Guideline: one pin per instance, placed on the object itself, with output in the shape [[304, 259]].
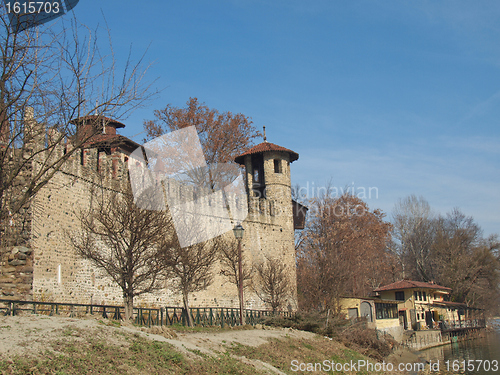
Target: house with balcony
[[417, 302], [426, 305]]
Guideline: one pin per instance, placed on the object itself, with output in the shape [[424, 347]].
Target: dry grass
[[281, 353], [98, 352], [356, 336], [69, 346]]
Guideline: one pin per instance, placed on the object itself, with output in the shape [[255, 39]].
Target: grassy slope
[[82, 352]]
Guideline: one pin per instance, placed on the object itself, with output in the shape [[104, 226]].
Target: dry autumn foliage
[[223, 136], [343, 252]]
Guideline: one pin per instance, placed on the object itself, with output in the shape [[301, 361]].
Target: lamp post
[[238, 233]]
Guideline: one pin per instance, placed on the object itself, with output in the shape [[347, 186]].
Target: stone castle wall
[[59, 274], [42, 264]]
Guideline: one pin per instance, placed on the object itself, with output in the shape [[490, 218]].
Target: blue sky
[[399, 95]]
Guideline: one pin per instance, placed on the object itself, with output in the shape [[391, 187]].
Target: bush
[[304, 322], [365, 340], [355, 335]]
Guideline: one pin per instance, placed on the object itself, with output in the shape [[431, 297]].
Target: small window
[[425, 297], [420, 296], [277, 166], [400, 296], [416, 295]]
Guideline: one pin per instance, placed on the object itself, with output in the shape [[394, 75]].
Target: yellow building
[[420, 304], [381, 315]]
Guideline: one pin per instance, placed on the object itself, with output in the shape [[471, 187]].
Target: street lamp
[[238, 233]]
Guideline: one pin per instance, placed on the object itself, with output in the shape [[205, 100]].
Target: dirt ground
[[29, 335], [32, 335]]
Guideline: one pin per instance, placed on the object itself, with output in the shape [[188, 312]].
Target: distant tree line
[[448, 249], [348, 249]]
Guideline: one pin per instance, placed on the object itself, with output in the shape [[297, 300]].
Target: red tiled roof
[[109, 140], [407, 284], [264, 147], [109, 121]]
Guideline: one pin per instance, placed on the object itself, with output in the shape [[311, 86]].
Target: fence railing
[[462, 324], [423, 341], [201, 316]]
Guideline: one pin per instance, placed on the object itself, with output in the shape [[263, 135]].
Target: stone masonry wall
[[56, 273], [16, 273]]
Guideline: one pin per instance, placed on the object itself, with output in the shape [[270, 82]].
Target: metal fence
[[462, 324], [201, 316], [423, 341]]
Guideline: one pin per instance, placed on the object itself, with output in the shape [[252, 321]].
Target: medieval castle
[[45, 267]]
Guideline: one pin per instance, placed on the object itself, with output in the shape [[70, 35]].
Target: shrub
[[354, 335]]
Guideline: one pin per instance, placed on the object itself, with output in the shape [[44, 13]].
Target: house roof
[[409, 284], [110, 140], [265, 147]]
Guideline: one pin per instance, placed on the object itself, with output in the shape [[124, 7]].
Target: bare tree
[[126, 242], [466, 262], [448, 249], [191, 268], [49, 76], [229, 265], [273, 286], [413, 236]]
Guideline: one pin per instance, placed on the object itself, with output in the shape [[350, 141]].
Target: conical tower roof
[[266, 147]]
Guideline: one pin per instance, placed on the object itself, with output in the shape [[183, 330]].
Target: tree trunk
[[128, 301], [186, 307]]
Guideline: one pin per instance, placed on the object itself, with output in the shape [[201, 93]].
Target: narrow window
[[82, 157], [256, 175], [59, 274], [425, 297], [416, 295], [420, 296], [277, 166]]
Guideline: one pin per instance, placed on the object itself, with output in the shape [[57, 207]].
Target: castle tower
[[270, 220], [92, 125], [267, 168]]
